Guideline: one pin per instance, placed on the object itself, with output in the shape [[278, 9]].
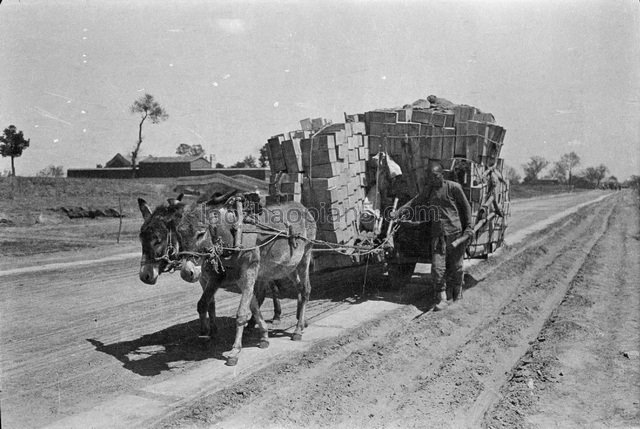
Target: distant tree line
[[250, 161], [51, 171], [563, 171]]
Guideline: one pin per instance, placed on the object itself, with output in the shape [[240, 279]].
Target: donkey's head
[[159, 237]]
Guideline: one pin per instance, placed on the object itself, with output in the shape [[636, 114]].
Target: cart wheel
[[400, 274]]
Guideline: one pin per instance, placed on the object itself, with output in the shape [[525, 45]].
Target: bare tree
[[511, 174], [559, 171], [12, 144], [147, 107], [532, 168], [570, 161], [596, 174], [190, 150]]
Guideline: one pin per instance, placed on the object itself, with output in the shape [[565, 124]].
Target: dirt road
[[75, 338]]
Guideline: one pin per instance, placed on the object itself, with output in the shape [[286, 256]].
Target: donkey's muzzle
[[149, 274], [190, 272]]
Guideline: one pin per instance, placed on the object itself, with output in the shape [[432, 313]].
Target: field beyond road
[[547, 334]]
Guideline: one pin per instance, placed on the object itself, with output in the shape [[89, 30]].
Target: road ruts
[[435, 369], [581, 371], [76, 337]]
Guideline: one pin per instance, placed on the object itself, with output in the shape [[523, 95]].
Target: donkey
[[276, 244]]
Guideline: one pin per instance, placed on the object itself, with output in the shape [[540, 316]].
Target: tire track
[[584, 337], [444, 349], [49, 354]]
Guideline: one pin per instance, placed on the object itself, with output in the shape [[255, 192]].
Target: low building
[[119, 167], [100, 173], [171, 166]]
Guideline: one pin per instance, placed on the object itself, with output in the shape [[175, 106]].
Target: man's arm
[[418, 200], [464, 208]]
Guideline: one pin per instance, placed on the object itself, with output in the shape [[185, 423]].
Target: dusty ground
[[451, 369], [583, 368], [72, 339]]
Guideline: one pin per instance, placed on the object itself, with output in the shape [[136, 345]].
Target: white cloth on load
[[394, 168]]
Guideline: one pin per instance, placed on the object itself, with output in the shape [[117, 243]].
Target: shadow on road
[[164, 350], [167, 349]]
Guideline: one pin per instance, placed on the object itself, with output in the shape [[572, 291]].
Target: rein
[[173, 257], [170, 257]]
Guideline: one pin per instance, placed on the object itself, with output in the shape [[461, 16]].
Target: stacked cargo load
[[415, 135], [331, 168], [323, 165]]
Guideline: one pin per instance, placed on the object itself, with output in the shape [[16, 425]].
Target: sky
[[560, 76]]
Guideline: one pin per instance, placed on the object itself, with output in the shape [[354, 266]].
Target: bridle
[[171, 255], [170, 260]]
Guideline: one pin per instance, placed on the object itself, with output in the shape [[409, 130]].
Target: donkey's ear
[[177, 208], [144, 208], [176, 200]]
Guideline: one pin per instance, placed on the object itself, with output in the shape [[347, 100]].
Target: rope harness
[[172, 258]]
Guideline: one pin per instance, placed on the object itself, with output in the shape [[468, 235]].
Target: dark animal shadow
[[155, 353]]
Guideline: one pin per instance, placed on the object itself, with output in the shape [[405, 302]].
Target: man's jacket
[[448, 209]]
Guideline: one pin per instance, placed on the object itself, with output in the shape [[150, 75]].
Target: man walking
[[451, 219]]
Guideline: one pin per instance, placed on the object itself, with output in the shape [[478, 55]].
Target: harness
[[171, 255], [172, 258], [218, 251]]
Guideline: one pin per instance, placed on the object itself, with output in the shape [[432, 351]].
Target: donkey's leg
[[260, 293], [207, 304], [246, 284], [262, 325], [304, 290], [275, 295], [211, 309]]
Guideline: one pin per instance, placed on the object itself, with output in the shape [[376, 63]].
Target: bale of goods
[[326, 166]]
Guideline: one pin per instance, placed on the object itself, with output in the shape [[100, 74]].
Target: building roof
[[171, 159], [119, 159]]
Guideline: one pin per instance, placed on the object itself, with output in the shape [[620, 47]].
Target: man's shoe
[[442, 303]]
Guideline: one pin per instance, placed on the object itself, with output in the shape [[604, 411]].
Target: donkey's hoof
[[296, 337], [275, 322], [264, 344], [232, 361]]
